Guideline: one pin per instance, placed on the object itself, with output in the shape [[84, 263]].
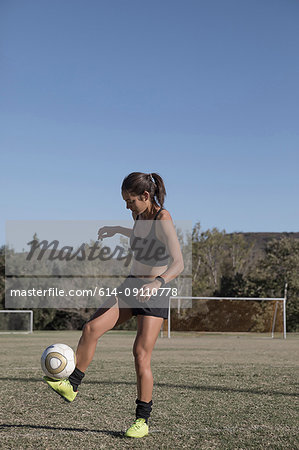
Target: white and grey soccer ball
[[58, 361]]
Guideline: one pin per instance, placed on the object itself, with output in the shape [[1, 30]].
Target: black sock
[[143, 410], [75, 378]]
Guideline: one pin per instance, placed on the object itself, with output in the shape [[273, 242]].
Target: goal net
[[16, 321], [227, 314]]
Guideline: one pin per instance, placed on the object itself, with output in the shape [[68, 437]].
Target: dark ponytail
[[138, 182], [160, 192]]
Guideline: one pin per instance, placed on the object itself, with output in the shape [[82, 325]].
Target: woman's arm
[[105, 232], [125, 231], [167, 234]]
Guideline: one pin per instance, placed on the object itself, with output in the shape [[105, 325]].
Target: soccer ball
[[58, 361]]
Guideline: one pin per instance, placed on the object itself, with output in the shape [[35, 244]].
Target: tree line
[[223, 265], [242, 265]]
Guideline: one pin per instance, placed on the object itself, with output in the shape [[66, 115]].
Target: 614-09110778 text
[[134, 291]]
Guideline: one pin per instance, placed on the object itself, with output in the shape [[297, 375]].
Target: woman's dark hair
[[138, 182]]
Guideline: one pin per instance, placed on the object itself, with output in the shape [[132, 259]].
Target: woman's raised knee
[[88, 329], [91, 331], [95, 328]]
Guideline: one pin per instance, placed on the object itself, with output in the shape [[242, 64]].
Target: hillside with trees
[[241, 265], [223, 265]]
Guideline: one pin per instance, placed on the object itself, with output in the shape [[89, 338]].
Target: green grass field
[[211, 392]]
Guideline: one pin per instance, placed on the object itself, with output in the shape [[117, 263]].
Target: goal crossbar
[[276, 299], [227, 298], [24, 311]]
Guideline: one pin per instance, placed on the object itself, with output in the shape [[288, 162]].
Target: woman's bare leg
[[147, 334], [103, 320]]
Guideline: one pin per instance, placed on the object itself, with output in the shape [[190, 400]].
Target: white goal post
[[276, 299], [17, 322]]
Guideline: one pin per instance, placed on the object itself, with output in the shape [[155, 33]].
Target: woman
[[153, 242]]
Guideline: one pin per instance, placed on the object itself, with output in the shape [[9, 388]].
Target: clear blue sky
[[203, 92]]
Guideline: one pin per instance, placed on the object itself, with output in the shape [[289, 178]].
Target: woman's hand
[[148, 290], [106, 232]]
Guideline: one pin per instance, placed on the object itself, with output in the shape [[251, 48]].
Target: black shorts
[[156, 306]]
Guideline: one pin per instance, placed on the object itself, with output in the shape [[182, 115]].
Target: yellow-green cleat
[[139, 429], [62, 387]]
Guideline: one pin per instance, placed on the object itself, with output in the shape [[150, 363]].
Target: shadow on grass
[[46, 427], [174, 386]]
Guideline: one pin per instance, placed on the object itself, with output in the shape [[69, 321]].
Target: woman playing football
[[157, 260]]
